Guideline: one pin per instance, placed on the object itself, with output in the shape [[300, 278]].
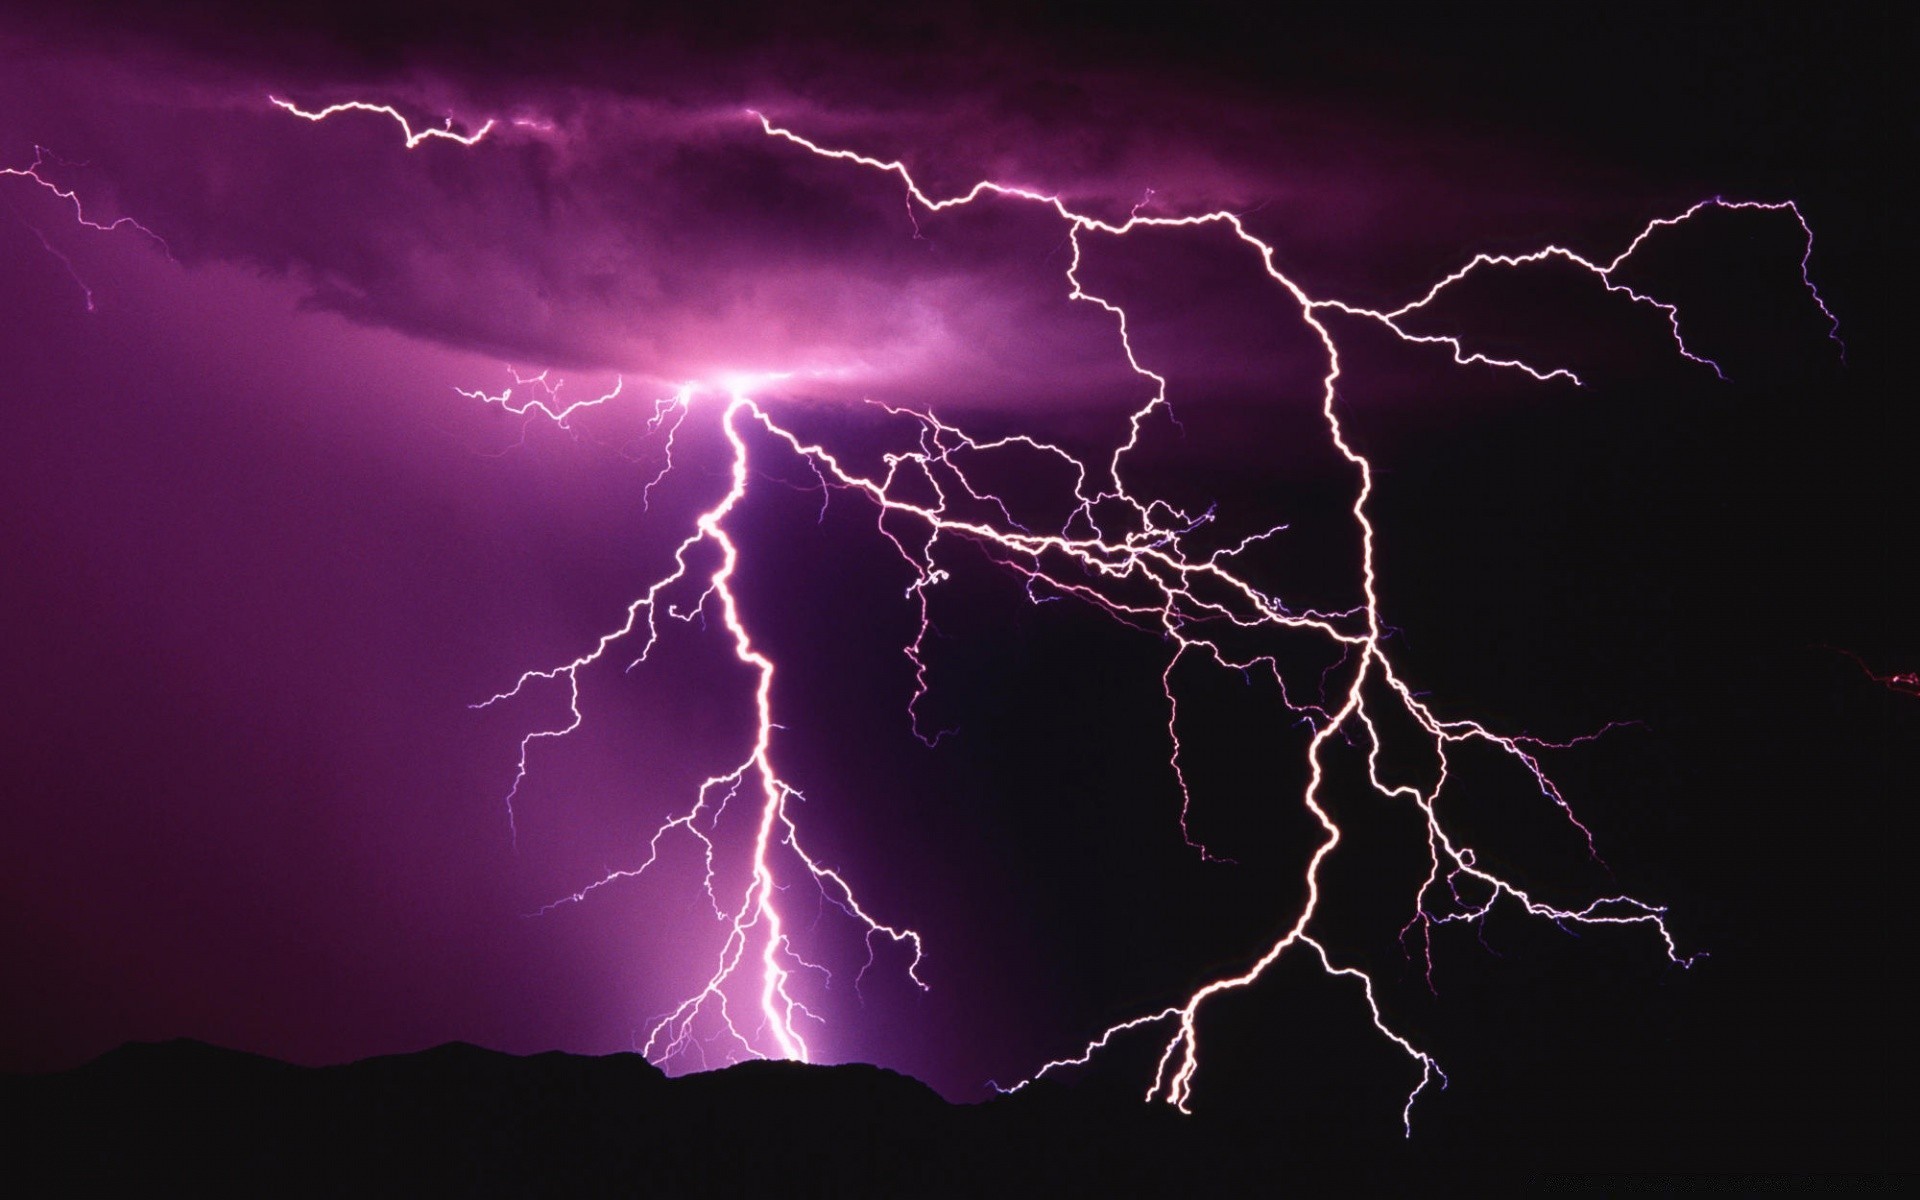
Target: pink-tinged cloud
[[282, 526], [647, 226]]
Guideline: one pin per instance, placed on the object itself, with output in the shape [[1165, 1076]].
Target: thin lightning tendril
[[755, 921], [1907, 682], [547, 400], [414, 137], [1136, 568], [42, 159]]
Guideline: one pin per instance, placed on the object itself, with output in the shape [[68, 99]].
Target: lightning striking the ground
[[1192, 595], [755, 926], [1126, 555]]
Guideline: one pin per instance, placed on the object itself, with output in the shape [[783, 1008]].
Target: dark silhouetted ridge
[[463, 1121]]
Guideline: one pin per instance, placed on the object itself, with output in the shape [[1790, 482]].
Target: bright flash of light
[[1122, 553]]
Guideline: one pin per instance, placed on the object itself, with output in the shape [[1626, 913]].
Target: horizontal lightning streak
[[547, 402], [414, 137]]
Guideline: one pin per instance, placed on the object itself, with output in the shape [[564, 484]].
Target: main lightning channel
[[755, 930], [1153, 551], [1135, 567]]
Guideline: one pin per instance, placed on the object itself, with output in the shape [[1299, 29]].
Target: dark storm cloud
[[260, 558], [627, 213]]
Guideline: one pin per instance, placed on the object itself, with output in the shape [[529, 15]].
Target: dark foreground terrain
[[183, 1117], [461, 1121]]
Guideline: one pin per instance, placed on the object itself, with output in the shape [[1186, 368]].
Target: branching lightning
[[1127, 555], [42, 160], [755, 925], [1195, 595]]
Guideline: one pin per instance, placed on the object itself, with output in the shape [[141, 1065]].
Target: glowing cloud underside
[[1120, 552]]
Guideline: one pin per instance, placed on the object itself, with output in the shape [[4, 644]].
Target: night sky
[[262, 557]]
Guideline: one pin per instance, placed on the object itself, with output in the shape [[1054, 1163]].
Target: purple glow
[[952, 557]]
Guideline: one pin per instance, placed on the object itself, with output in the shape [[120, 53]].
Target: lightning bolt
[[414, 137], [545, 400], [1907, 682], [1193, 593], [1137, 560], [755, 926], [44, 158]]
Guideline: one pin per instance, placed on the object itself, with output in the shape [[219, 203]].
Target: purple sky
[[264, 556]]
